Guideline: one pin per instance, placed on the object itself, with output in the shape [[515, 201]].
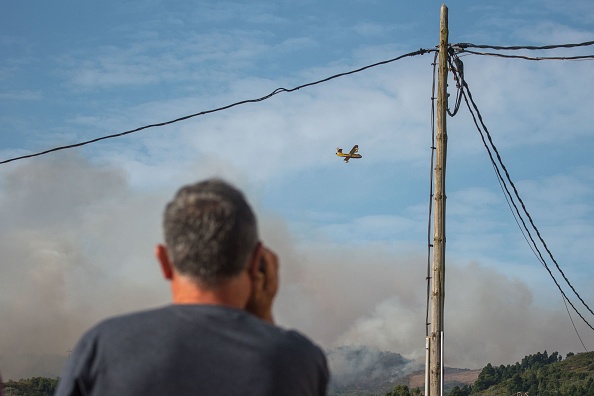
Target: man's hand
[[264, 286]]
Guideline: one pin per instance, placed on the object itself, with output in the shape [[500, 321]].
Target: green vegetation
[[541, 374], [403, 390], [36, 386]]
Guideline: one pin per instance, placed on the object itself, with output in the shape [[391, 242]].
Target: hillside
[[539, 374], [360, 370], [452, 377]]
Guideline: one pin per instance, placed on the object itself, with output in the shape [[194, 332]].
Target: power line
[[273, 93], [500, 177], [430, 211], [463, 48], [534, 58], [474, 109], [458, 72], [573, 324], [521, 47]]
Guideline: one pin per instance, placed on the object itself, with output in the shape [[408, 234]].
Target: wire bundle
[[514, 200]]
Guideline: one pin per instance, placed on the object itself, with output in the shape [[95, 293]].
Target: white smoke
[[77, 246]]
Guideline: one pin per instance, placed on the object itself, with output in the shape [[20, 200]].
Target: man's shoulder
[[294, 337], [138, 321], [283, 341], [196, 318], [147, 315], [201, 335]]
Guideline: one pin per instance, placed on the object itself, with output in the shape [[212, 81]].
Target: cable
[[468, 99], [540, 259], [465, 86], [579, 57], [522, 47], [573, 324], [457, 70], [429, 243], [275, 92], [501, 177], [458, 77]]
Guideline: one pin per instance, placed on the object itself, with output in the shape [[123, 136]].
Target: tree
[[403, 390], [516, 384], [36, 386], [589, 388], [488, 376], [457, 391]]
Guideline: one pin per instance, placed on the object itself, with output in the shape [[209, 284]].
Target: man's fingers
[[271, 270]]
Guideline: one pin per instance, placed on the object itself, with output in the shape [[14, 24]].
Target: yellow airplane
[[350, 155]]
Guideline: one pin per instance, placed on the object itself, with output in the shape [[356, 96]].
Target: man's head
[[210, 231]]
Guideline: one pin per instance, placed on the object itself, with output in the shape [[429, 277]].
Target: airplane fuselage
[[351, 154]]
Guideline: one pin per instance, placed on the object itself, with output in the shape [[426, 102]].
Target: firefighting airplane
[[350, 155]]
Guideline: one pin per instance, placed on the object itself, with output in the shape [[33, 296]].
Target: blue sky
[[79, 225]]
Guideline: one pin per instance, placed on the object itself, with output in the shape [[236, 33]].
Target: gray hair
[[210, 231]]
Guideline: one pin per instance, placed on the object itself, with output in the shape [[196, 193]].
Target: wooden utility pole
[[439, 203]]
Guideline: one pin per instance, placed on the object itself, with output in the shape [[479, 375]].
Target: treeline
[[36, 386], [494, 375], [541, 374]]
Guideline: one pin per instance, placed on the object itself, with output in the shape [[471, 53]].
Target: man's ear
[[163, 258], [255, 258]]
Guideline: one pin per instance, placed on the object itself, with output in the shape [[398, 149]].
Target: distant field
[[453, 377]]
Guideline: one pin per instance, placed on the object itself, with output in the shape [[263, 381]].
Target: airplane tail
[[338, 150]]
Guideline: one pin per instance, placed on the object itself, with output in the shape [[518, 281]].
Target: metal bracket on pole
[[427, 352]]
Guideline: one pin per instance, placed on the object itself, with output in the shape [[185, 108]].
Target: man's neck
[[233, 292]]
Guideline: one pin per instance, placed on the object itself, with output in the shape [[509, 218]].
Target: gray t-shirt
[[193, 350]]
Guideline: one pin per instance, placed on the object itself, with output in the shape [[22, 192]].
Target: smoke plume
[[77, 243]]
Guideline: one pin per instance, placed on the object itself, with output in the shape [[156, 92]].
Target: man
[[218, 336]]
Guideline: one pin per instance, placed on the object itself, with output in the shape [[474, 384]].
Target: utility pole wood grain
[[439, 202]]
